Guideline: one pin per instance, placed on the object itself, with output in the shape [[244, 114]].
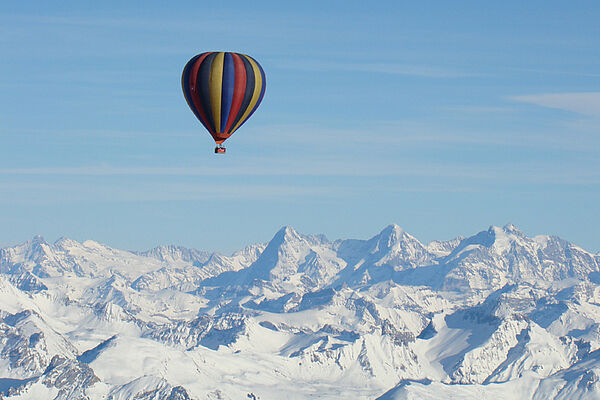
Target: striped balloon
[[223, 90]]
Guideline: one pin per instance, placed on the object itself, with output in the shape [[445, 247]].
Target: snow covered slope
[[303, 317]]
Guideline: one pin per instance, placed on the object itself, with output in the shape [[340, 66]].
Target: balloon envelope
[[223, 90]]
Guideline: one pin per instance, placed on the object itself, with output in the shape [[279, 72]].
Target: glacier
[[494, 315]]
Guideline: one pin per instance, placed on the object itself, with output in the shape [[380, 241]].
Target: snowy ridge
[[386, 317]]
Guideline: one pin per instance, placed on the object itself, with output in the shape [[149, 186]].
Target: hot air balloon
[[223, 90]]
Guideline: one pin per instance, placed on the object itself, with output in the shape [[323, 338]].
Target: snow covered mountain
[[494, 315]]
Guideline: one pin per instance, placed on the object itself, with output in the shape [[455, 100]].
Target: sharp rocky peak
[[393, 229], [510, 228], [393, 232], [286, 233], [494, 236], [37, 242], [63, 242], [392, 236], [38, 239], [37, 247]]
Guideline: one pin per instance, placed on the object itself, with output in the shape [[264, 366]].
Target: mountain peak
[[393, 234], [511, 228], [285, 234], [38, 239], [66, 242], [393, 230], [501, 238], [37, 247], [288, 230]]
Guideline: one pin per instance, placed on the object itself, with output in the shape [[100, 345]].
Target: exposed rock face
[[70, 377], [148, 388], [28, 344]]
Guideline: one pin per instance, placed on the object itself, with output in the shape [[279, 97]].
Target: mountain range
[[494, 315]]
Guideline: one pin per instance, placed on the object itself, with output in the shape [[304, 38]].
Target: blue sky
[[443, 117]]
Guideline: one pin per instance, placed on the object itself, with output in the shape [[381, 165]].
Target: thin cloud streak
[[127, 22], [100, 133], [587, 103], [424, 71], [44, 193], [402, 134], [462, 180], [389, 132], [555, 72], [478, 109], [536, 173]]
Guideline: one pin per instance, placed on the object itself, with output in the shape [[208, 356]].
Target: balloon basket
[[220, 150]]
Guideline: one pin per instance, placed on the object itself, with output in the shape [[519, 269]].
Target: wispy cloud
[[401, 133], [424, 71], [556, 72], [97, 133], [44, 192], [318, 168], [416, 134], [469, 109], [127, 21], [524, 172], [587, 103], [441, 179]]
